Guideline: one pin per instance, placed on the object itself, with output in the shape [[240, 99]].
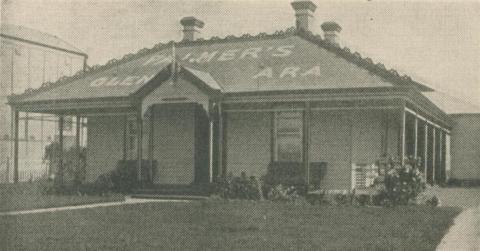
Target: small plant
[[362, 199], [342, 199], [433, 201], [318, 197]]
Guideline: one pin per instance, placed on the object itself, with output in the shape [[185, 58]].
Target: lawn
[[212, 225], [26, 196]]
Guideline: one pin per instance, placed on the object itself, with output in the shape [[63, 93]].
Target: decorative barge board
[[194, 111]]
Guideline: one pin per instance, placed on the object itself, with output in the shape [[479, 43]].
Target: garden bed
[[238, 225], [25, 196]]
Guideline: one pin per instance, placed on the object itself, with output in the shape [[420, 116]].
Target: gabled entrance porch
[[177, 139]]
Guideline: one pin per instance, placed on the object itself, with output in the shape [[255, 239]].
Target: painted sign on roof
[[284, 63]]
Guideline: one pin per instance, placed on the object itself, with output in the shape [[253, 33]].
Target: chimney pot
[[331, 30], [191, 26], [304, 10]]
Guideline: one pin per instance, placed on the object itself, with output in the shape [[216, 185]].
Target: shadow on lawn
[[25, 196]]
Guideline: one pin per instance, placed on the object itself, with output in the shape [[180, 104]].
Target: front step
[[168, 197]]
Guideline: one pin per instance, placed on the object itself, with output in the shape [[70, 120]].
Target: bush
[[250, 188], [400, 184], [289, 174], [283, 193], [362, 199], [342, 199], [71, 157], [242, 187], [123, 178], [103, 185], [318, 197]]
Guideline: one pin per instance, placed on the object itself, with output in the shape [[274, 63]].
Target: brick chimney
[[331, 30], [190, 25], [304, 10]]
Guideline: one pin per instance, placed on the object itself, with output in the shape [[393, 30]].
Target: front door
[[177, 143]]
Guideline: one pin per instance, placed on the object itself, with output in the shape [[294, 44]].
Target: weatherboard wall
[[104, 144], [346, 138], [339, 138], [331, 142], [248, 142]]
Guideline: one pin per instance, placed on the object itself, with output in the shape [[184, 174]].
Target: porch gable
[[188, 87]]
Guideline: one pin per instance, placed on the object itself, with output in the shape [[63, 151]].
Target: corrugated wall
[[465, 147]]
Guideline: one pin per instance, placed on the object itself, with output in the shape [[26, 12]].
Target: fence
[[28, 170]]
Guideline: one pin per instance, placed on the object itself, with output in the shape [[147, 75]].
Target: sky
[[437, 43]]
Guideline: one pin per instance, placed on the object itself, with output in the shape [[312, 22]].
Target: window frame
[[292, 114], [131, 134]]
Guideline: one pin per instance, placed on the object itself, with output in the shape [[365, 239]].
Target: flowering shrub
[[400, 184], [243, 187], [290, 174], [282, 193], [250, 188]]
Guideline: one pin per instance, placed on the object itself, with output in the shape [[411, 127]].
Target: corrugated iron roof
[[206, 78], [291, 60], [35, 36]]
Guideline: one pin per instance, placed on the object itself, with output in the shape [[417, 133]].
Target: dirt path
[[464, 234]]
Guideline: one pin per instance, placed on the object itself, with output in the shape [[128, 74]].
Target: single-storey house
[[201, 109]]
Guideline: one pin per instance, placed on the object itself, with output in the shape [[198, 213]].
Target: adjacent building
[[465, 136], [30, 58]]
